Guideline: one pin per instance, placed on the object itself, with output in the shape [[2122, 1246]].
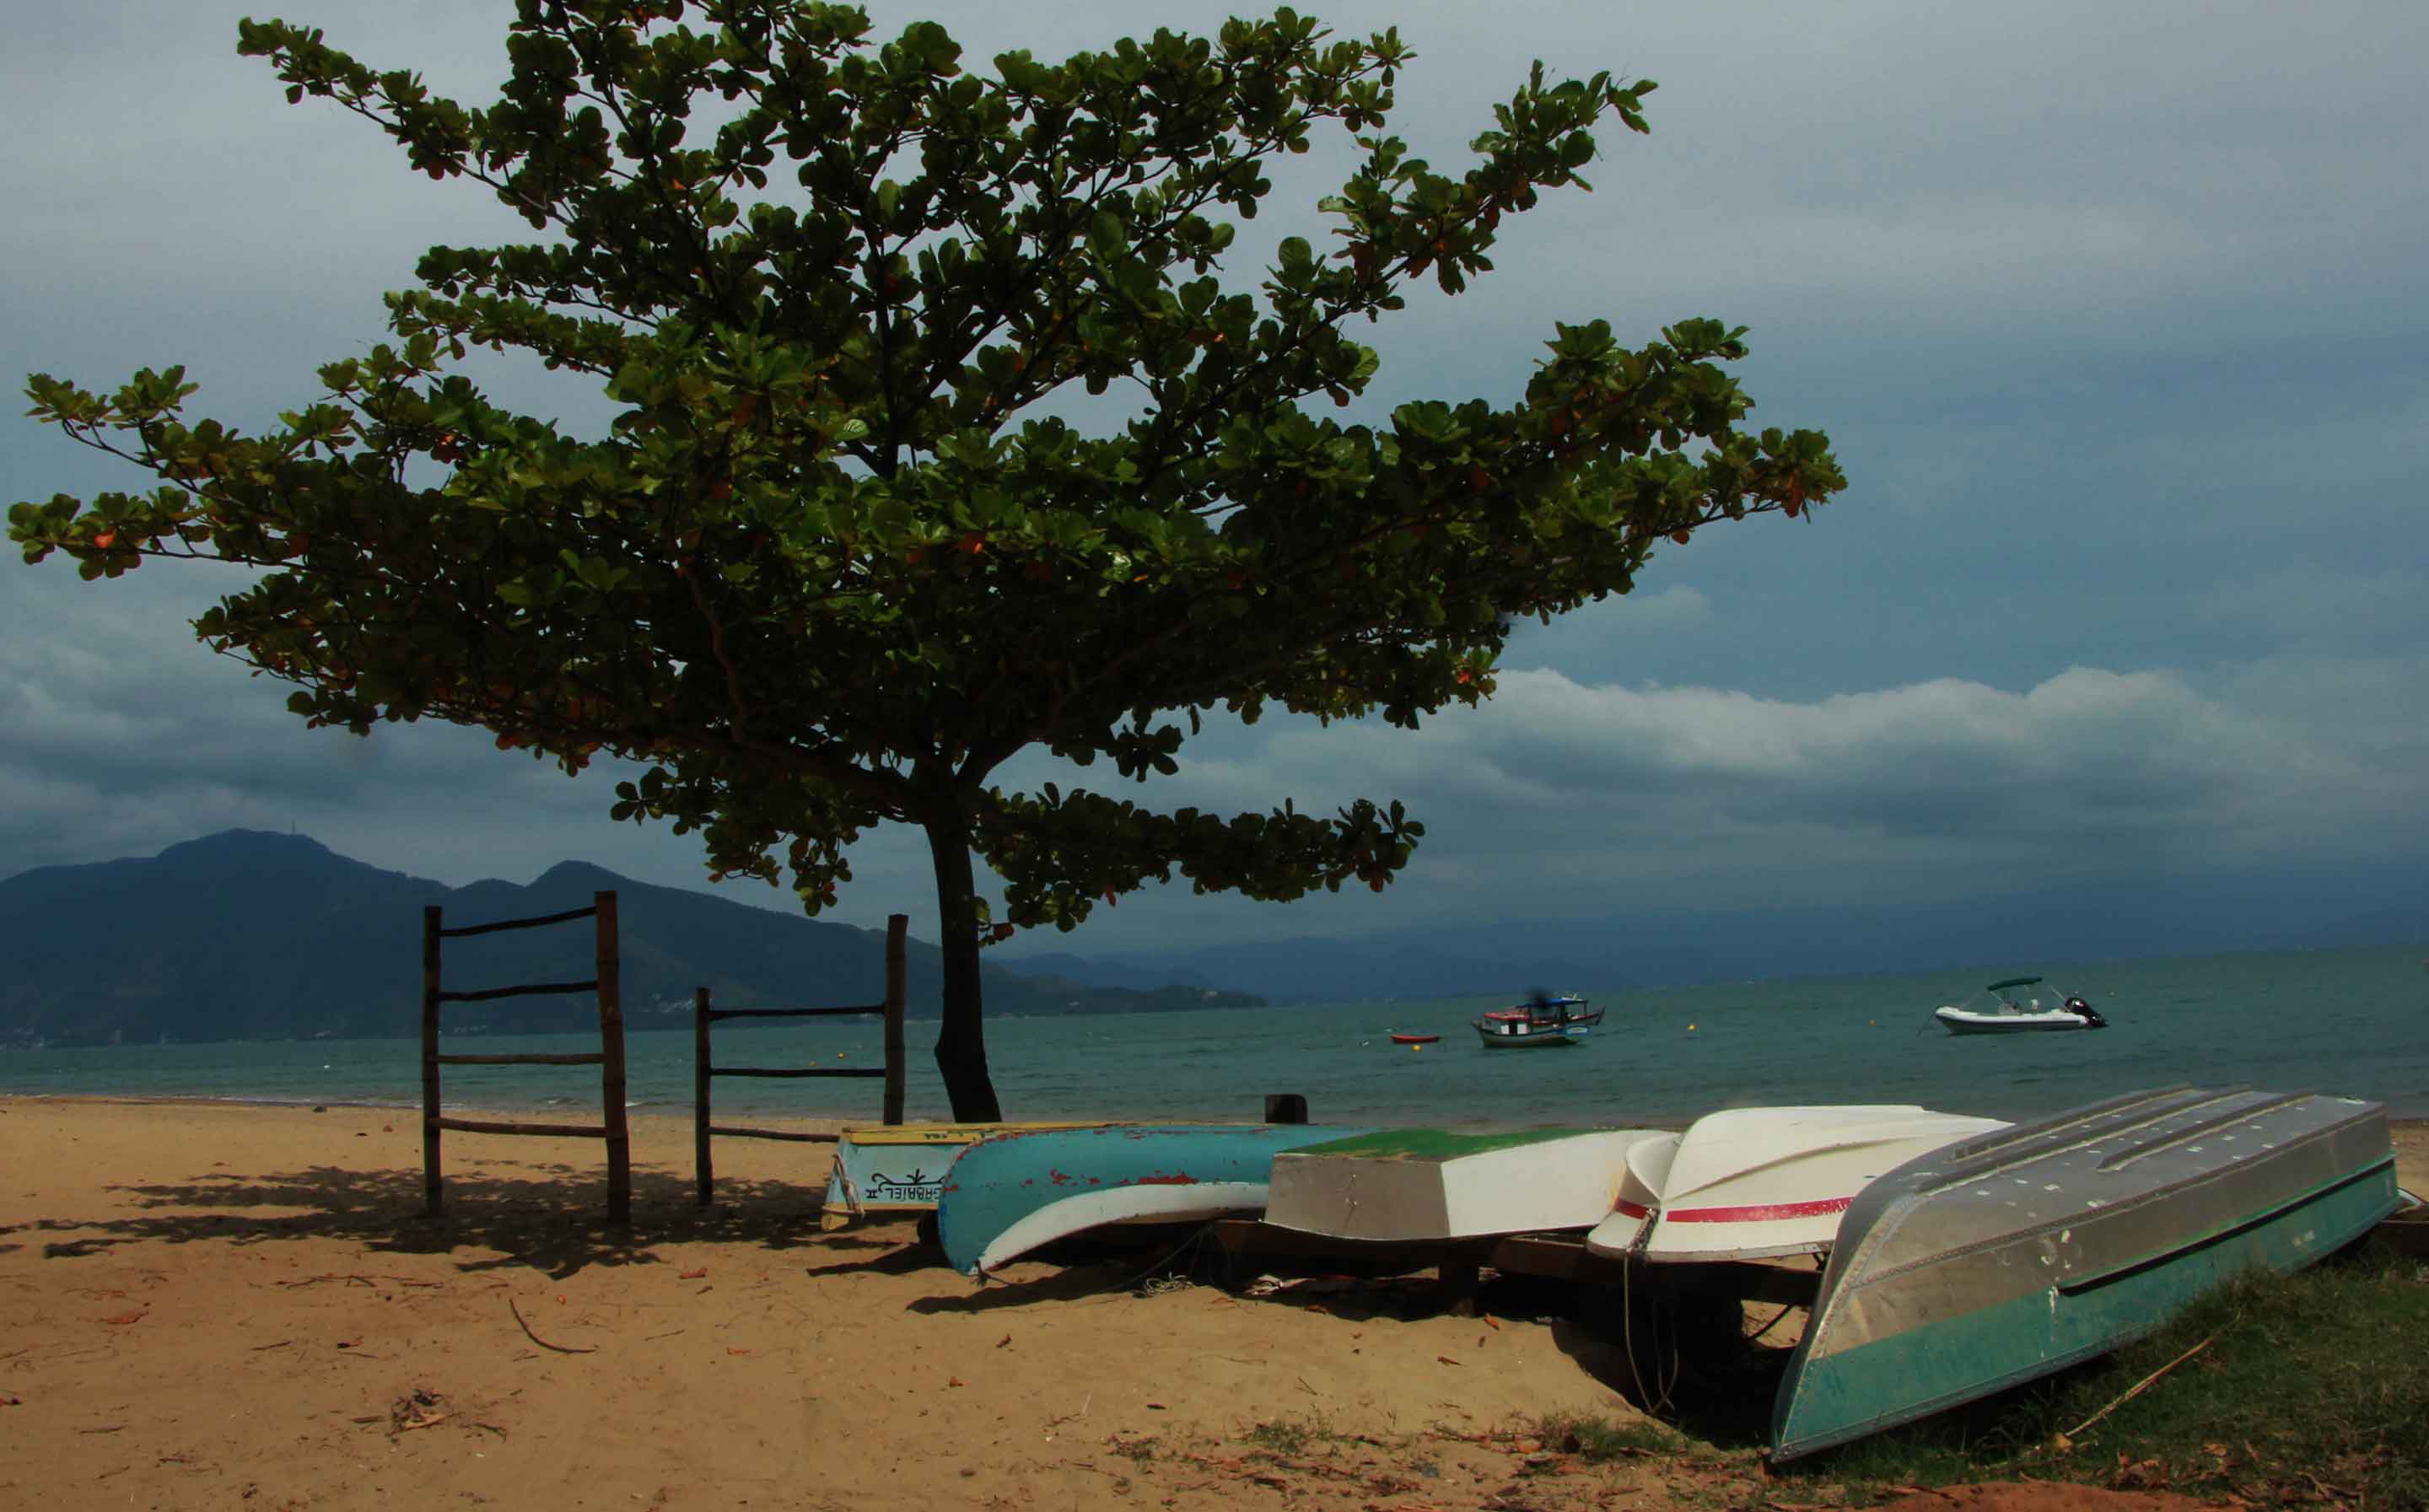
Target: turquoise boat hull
[[1006, 1195], [2009, 1257], [891, 1169]]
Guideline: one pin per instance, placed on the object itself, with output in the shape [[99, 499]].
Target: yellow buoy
[[1691, 1029], [1414, 1048]]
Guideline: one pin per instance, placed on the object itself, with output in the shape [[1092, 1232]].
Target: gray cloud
[[2115, 314]]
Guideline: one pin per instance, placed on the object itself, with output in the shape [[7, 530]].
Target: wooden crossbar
[[591, 1058], [606, 982], [490, 994], [773, 1134], [715, 1013], [491, 1125], [705, 1070], [462, 929], [798, 1071]]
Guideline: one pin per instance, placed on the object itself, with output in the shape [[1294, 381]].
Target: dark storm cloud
[[2116, 316]]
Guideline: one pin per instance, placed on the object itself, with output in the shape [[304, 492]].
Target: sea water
[[2348, 1022]]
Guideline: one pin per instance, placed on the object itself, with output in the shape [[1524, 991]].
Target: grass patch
[[1291, 1435], [1596, 1440], [2312, 1388]]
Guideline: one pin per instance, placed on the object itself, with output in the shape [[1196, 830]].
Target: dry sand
[[207, 1306]]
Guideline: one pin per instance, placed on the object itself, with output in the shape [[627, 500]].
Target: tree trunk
[[961, 1043]]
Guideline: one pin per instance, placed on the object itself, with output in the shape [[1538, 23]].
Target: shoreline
[[661, 1112]]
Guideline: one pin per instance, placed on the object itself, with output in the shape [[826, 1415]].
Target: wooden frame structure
[[606, 982], [704, 1068]]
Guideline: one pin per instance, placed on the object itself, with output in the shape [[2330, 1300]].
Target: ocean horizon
[[2347, 1022]]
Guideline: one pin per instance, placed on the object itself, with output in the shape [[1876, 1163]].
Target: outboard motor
[[2091, 1019]]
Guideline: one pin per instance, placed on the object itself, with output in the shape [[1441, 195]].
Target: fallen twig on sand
[[562, 1349], [2066, 1439]]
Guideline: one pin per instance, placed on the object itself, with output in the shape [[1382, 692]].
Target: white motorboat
[[1751, 1183], [1998, 1010]]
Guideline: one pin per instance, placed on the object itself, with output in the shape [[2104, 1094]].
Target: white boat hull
[[1965, 1021], [1434, 1184], [1754, 1183], [1120, 1205]]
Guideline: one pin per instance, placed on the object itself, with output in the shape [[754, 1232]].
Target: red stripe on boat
[[1757, 1212], [1629, 1210]]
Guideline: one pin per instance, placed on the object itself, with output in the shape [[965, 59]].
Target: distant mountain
[[2029, 930], [249, 935]]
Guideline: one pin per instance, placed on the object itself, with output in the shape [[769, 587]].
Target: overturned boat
[[2012, 1255], [1759, 1183], [892, 1169], [1012, 1192], [1416, 1184]]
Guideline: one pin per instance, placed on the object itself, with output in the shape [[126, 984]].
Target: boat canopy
[[2012, 981]]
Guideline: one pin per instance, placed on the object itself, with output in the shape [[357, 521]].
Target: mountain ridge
[[248, 934]]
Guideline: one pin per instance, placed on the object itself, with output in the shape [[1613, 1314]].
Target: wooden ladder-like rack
[[609, 1056], [705, 1067]]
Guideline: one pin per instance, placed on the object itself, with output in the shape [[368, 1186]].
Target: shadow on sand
[[550, 1217]]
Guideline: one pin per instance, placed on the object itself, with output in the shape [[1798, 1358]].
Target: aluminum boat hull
[[2002, 1258]]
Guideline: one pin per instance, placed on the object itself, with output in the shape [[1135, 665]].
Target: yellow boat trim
[[950, 1133]]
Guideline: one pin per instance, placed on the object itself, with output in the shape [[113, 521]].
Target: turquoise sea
[[2348, 1022]]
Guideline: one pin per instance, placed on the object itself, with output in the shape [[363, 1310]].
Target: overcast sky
[[2118, 317]]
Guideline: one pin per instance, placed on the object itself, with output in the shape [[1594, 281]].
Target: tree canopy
[[845, 549]]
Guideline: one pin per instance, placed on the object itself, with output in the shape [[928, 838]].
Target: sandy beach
[[228, 1306]]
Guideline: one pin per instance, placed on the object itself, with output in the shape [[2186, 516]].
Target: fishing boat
[[1540, 1022], [1416, 1184], [1755, 1183], [1415, 1039], [1996, 1010], [899, 1168], [1012, 1192], [2004, 1257]]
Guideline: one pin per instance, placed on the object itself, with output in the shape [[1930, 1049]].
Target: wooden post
[[1459, 1284], [705, 1173], [433, 1198], [611, 1064], [895, 925]]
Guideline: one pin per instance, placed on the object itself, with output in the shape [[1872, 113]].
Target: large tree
[[852, 542]]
